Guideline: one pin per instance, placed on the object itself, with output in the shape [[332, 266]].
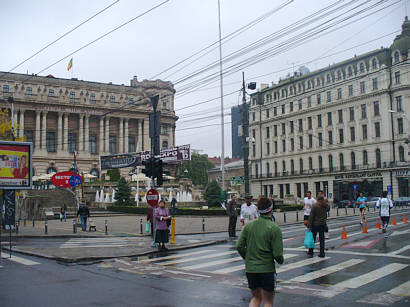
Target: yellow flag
[[70, 64]]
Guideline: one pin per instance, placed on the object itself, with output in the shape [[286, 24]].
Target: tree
[[197, 169], [114, 174], [5, 127], [212, 194], [123, 193]]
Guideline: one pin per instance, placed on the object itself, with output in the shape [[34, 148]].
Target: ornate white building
[[61, 116], [342, 129]]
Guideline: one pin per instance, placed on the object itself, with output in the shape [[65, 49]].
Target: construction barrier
[[344, 234]]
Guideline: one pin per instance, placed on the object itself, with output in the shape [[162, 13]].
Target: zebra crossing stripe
[[329, 270], [401, 250], [299, 264], [402, 290], [211, 263], [242, 266], [197, 258], [364, 279], [174, 256], [20, 260]]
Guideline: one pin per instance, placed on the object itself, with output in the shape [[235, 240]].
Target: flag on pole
[[70, 64]]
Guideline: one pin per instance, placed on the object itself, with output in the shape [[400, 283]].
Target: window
[[164, 129], [254, 150], [318, 81], [340, 115], [301, 142], [375, 85], [253, 116], [256, 171], [131, 144], [300, 104], [267, 170], [374, 63], [329, 96], [29, 134], [350, 90], [29, 91], [112, 98], [363, 108], [341, 162], [292, 144], [339, 75], [72, 94], [283, 128], [330, 134], [401, 154], [329, 118], [92, 97], [310, 140], [164, 103], [291, 106], [310, 163], [309, 101], [396, 57], [72, 142], [267, 113], [353, 160], [292, 127], [320, 164], [378, 158], [164, 144], [309, 84], [254, 133], [352, 134], [362, 87], [283, 109], [399, 104], [364, 132], [284, 166], [319, 121], [275, 111], [5, 88], [341, 136], [350, 71], [318, 98], [283, 145], [301, 165], [267, 132], [328, 79], [92, 143], [51, 141], [339, 93], [300, 121], [351, 114], [400, 125], [377, 129], [397, 77], [376, 108], [292, 167], [113, 144], [276, 146], [51, 92], [268, 148], [320, 136], [276, 168], [310, 126], [361, 67], [365, 159], [330, 162], [275, 130]]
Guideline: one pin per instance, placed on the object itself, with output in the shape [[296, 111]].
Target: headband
[[266, 210]]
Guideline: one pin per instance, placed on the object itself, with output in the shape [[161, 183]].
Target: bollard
[[141, 232], [106, 228], [354, 210], [17, 227], [25, 220], [284, 217], [203, 224], [345, 210], [374, 209], [74, 226], [297, 216], [172, 231], [337, 211], [45, 227], [33, 222]]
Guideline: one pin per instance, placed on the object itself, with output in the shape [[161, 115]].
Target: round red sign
[[152, 197], [62, 179]]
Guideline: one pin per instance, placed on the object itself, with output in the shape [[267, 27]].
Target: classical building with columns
[[343, 129], [63, 116]]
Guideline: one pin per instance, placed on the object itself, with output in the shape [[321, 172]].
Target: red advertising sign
[[152, 197], [62, 179]]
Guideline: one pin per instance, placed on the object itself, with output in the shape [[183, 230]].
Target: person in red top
[[22, 171]]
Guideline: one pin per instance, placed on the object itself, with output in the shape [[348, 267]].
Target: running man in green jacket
[[260, 244]]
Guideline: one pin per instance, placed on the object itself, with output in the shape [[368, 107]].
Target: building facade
[[234, 180], [63, 116], [342, 129]]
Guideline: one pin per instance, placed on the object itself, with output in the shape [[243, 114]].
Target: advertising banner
[[178, 153], [9, 205], [15, 165]]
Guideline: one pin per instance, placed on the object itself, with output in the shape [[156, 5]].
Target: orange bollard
[[378, 226], [394, 221], [364, 228], [344, 234], [404, 218]]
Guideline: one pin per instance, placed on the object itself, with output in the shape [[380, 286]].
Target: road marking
[[123, 262], [329, 270], [362, 244], [197, 258], [299, 264], [194, 241], [402, 290], [398, 232], [211, 263], [242, 266], [186, 273], [298, 249], [174, 256], [20, 260], [364, 279], [401, 250]]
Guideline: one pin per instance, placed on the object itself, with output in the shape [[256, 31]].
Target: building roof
[[217, 160]]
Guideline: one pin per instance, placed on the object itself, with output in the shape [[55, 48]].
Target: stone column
[[81, 133], [21, 134], [145, 136], [38, 125], [60, 131], [140, 140], [126, 149], [87, 134], [15, 121], [65, 142], [107, 134], [121, 140], [101, 140], [44, 131]]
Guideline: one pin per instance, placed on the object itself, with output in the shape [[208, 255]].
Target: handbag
[[309, 242], [168, 222], [147, 227]]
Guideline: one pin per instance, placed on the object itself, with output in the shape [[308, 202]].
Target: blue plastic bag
[[309, 242], [147, 227]]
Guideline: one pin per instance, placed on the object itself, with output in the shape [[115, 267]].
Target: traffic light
[[157, 171], [148, 168]]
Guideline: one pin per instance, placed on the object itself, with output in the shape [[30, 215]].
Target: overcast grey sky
[[178, 29]]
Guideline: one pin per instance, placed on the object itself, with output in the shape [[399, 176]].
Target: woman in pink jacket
[[162, 217]]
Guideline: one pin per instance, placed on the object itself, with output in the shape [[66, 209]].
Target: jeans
[[83, 219], [232, 226], [321, 230]]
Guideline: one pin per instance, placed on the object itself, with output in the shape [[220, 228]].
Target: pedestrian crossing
[[20, 260], [101, 242]]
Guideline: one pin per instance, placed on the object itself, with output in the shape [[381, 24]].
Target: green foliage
[[114, 174], [122, 196], [212, 194], [197, 169]]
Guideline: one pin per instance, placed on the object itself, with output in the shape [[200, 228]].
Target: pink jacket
[[161, 212]]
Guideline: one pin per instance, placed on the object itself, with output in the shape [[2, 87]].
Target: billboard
[[15, 165]]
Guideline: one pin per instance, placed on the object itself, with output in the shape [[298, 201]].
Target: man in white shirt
[[308, 203], [249, 211], [385, 204]]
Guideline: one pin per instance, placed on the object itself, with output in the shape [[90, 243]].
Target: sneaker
[[321, 255]]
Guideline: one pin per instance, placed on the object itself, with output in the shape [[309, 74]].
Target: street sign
[[355, 187], [152, 197], [389, 189], [75, 180], [61, 179]]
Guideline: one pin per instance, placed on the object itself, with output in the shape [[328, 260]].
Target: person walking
[[385, 204], [308, 202], [261, 244], [361, 201], [321, 193], [317, 223], [162, 217], [84, 213], [249, 211], [233, 216]]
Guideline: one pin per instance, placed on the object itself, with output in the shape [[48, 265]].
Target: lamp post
[[391, 111]]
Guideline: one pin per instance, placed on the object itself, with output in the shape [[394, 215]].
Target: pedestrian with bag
[[321, 193], [308, 202], [317, 223], [385, 204], [231, 210], [162, 219], [249, 211], [260, 244], [84, 213]]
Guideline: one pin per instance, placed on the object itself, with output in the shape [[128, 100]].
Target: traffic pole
[[172, 230], [74, 226], [106, 228], [141, 232], [203, 224]]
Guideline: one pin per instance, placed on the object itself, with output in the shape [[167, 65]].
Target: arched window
[[374, 63], [328, 78], [301, 165], [350, 71], [94, 171], [291, 90], [320, 164], [339, 75], [292, 166], [378, 158], [299, 87], [309, 84], [276, 168], [396, 57], [310, 163], [267, 169], [330, 163], [341, 162], [361, 67], [365, 158], [401, 154], [51, 170], [353, 160]]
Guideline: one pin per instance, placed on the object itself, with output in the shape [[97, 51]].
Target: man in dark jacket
[[233, 216], [317, 223], [84, 213]]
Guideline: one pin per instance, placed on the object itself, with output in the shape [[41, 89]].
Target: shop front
[[403, 182]]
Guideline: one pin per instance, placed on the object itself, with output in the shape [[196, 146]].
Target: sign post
[[152, 198]]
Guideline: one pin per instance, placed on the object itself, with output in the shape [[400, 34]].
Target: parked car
[[344, 204], [402, 201], [372, 201]]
